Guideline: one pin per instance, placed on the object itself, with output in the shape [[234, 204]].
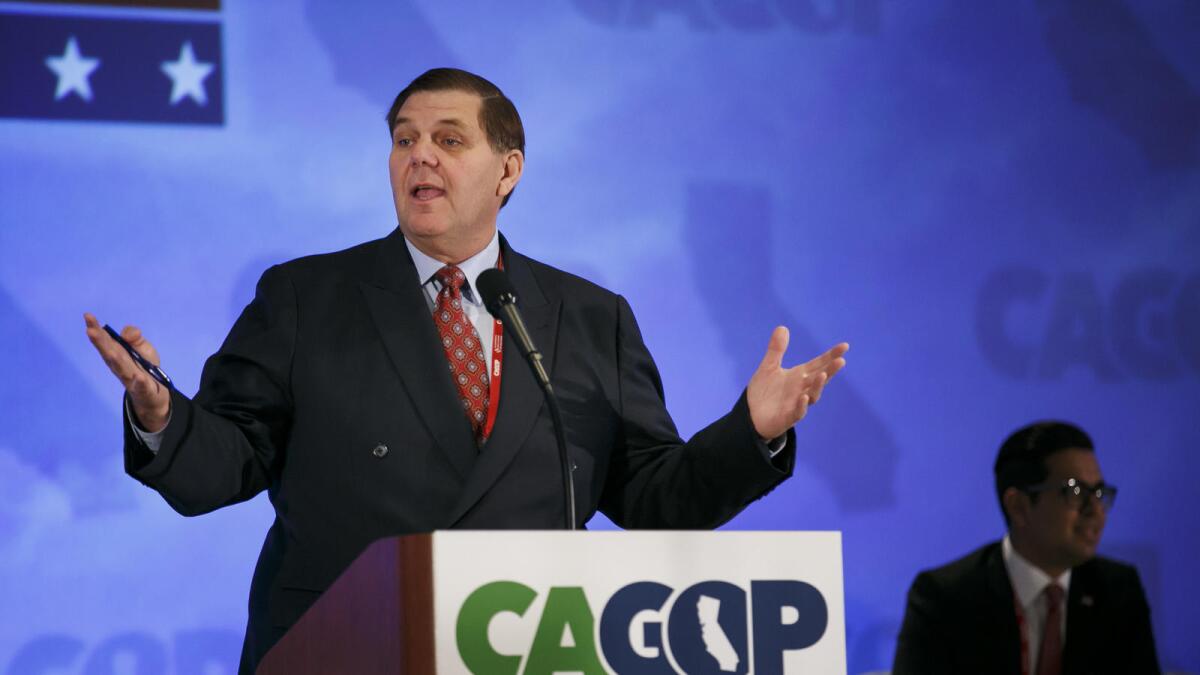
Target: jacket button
[[380, 450]]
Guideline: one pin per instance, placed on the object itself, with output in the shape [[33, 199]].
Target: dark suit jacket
[[338, 354], [961, 618]]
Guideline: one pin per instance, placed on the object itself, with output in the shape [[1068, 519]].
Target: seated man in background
[[1040, 601]]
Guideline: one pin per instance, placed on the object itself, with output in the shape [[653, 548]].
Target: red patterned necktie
[[1050, 652], [463, 349]]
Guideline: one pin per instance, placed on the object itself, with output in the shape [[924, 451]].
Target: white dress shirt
[[1028, 582], [472, 304]]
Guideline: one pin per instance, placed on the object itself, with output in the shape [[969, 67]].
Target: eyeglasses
[[1079, 493]]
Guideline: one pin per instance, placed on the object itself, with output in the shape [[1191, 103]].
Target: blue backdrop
[[997, 204]]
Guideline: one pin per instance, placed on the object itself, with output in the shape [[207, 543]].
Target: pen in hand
[[155, 372]]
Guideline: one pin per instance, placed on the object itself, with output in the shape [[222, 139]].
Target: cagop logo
[[712, 627]]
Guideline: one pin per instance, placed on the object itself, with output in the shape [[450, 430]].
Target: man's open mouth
[[425, 193]]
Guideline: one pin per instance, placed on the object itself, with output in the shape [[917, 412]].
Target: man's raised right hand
[[151, 402]]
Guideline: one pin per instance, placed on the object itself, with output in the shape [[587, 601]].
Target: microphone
[[500, 298]]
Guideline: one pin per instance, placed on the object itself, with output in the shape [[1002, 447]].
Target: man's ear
[[1016, 505], [514, 166]]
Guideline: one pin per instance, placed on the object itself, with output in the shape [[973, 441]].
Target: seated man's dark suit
[[961, 619], [338, 355]]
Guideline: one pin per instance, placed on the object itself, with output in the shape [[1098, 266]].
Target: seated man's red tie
[[1050, 653]]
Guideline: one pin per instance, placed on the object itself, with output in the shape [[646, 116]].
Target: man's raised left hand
[[779, 397]]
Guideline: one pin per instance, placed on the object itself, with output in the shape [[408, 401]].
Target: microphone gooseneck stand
[[567, 470], [500, 298]]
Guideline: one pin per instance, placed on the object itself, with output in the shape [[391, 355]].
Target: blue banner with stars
[[81, 68]]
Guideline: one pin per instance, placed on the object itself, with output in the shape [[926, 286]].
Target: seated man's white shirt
[[1028, 582]]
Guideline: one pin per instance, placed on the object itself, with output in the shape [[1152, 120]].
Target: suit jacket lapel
[[401, 314], [1082, 601], [520, 396], [1004, 640]]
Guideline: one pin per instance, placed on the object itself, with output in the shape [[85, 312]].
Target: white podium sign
[[536, 603]]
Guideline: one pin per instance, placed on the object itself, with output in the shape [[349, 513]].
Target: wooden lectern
[[514, 602], [377, 617]]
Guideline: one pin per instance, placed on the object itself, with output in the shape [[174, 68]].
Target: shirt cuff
[[775, 445], [151, 439]]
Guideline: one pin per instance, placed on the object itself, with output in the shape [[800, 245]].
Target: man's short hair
[[498, 116], [1021, 462]]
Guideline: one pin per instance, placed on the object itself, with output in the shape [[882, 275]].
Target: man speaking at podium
[[363, 391]]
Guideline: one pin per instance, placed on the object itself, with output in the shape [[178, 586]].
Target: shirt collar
[[472, 267], [1028, 581]]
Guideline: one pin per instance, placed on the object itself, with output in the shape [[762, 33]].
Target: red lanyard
[[496, 363]]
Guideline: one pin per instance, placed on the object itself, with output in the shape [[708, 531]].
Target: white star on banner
[[187, 76], [72, 70]]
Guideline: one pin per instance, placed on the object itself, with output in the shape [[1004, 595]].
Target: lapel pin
[[380, 450]]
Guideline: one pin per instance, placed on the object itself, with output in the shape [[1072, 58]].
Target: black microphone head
[[495, 290]]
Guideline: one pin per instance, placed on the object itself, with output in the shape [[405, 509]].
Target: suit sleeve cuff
[[152, 440], [776, 446], [145, 464]]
